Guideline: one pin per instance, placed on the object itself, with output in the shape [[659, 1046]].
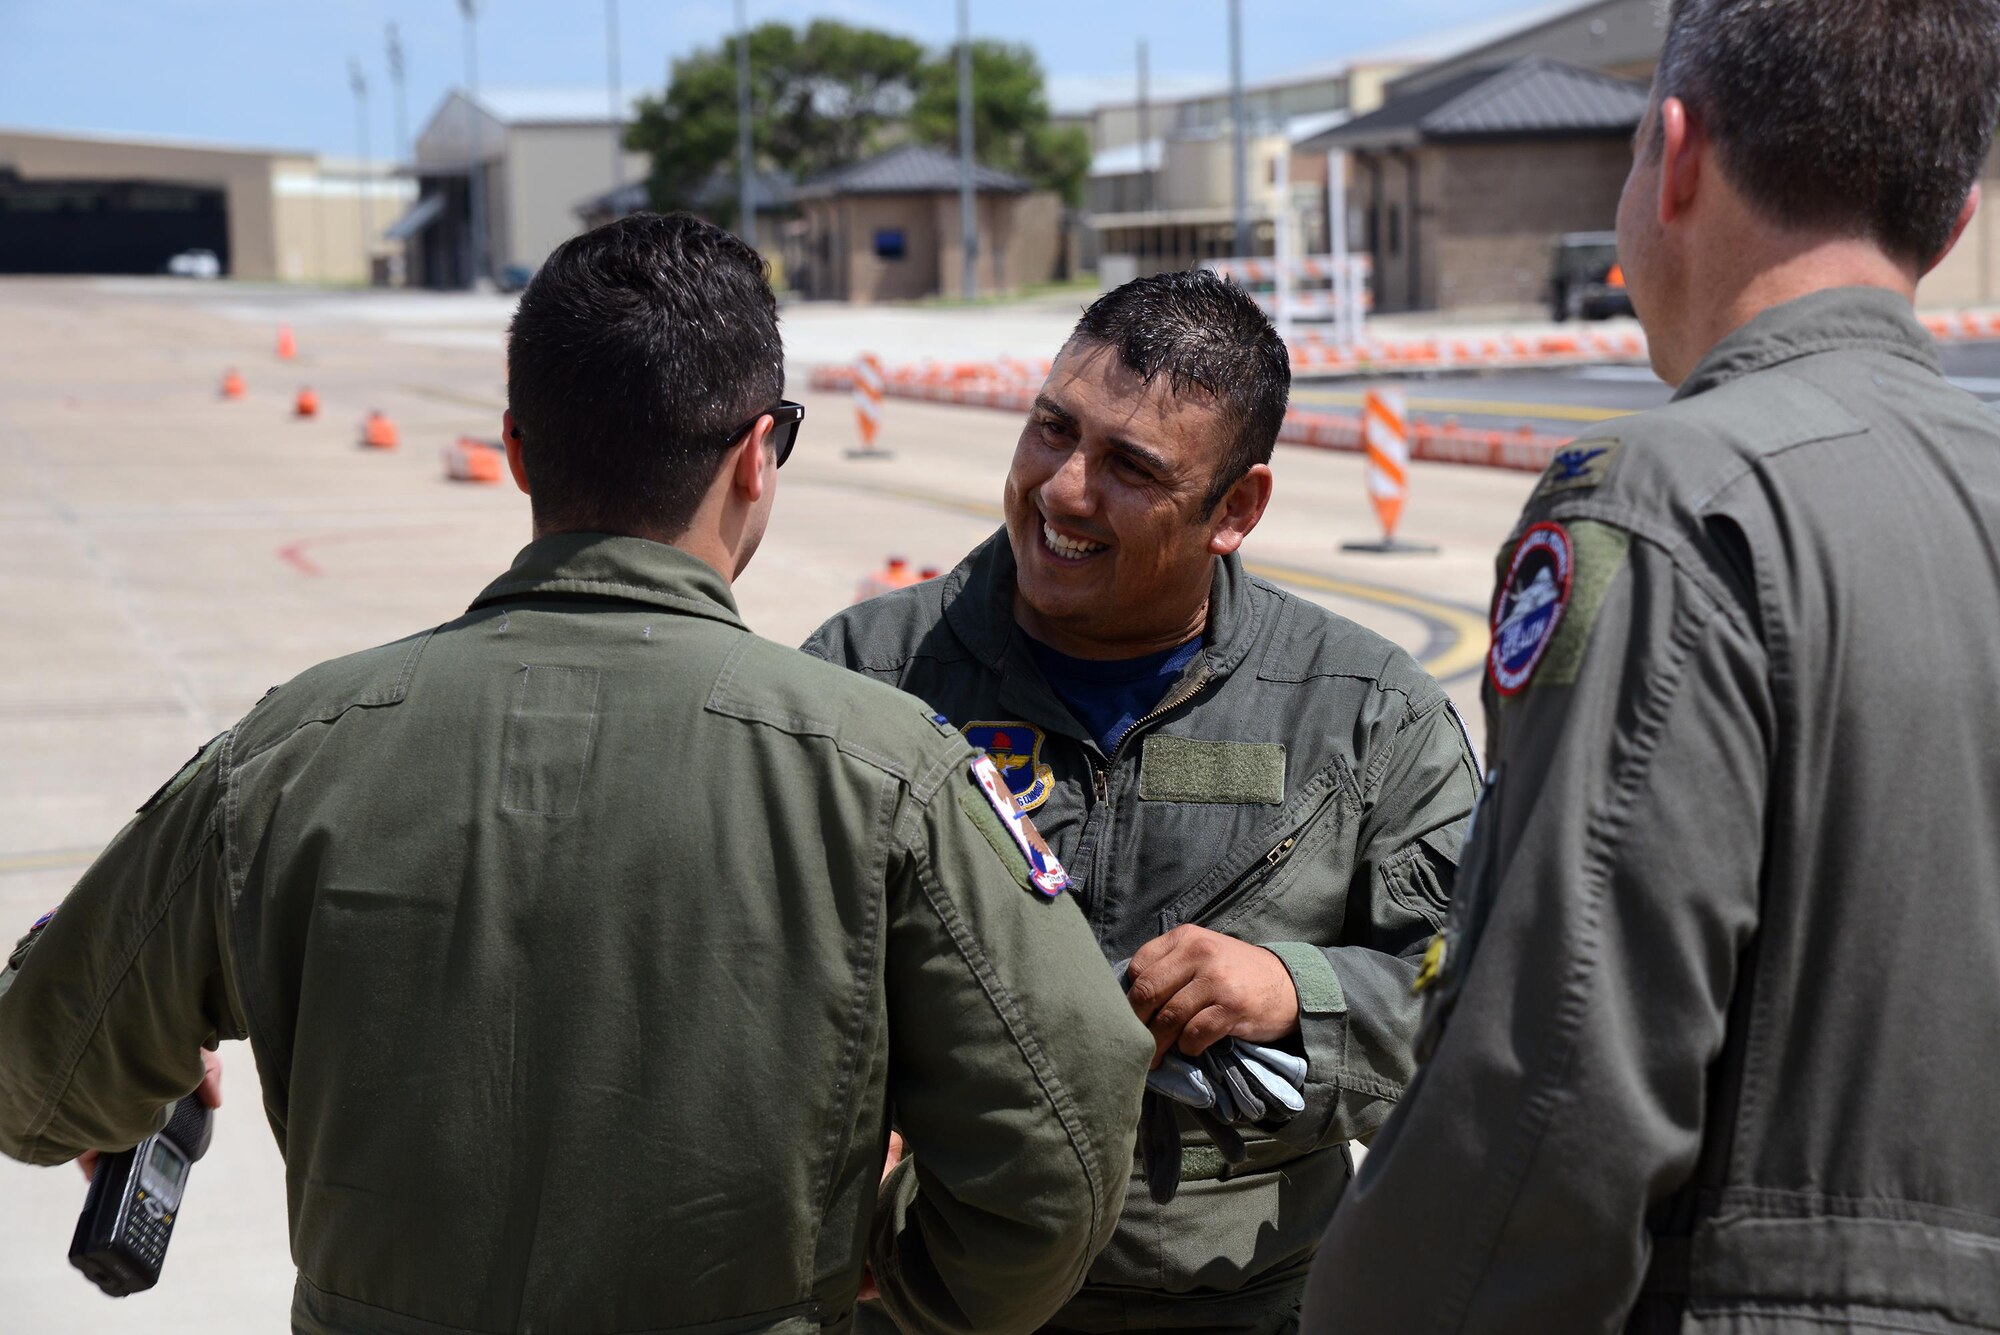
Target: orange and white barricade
[[868, 381]]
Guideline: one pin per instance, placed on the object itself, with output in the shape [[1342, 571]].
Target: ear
[[750, 465], [510, 437], [1965, 213], [1240, 510], [1683, 142]]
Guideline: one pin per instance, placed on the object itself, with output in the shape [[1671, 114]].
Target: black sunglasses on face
[[785, 420]]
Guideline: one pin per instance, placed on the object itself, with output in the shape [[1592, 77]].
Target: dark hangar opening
[[106, 227]]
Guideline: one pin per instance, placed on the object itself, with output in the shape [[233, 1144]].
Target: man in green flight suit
[[1711, 1033], [587, 943], [1260, 802]]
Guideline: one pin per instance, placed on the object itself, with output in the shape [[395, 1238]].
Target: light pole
[[617, 107], [1145, 128], [475, 168], [360, 87], [1241, 190], [968, 217], [396, 78], [746, 204]]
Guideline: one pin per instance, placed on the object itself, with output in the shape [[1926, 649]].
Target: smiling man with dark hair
[[1259, 802]]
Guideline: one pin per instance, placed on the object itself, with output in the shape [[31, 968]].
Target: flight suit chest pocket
[[551, 729], [1239, 892]]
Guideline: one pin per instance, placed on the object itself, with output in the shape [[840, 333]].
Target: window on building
[[1395, 229], [889, 243]]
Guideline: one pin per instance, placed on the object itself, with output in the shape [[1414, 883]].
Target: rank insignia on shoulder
[[1045, 873], [1530, 606], [1016, 749], [1584, 464], [941, 723]]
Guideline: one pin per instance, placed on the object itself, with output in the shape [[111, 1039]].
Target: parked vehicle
[[195, 264], [1585, 279]]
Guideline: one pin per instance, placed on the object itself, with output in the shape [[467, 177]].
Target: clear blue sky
[[274, 72]]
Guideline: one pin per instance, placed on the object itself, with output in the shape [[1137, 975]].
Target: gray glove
[[1234, 1084]]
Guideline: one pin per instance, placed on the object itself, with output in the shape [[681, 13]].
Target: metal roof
[[908, 169], [551, 106], [1531, 98]]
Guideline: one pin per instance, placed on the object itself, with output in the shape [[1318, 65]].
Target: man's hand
[[869, 1291], [1193, 986], [210, 1090]]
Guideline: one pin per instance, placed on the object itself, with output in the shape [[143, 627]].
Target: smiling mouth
[[1069, 549]]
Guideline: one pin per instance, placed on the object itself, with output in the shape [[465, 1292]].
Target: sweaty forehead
[[1092, 383]]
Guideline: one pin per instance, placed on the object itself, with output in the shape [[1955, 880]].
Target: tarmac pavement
[[166, 556]]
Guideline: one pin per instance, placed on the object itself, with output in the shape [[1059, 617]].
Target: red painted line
[[294, 554]]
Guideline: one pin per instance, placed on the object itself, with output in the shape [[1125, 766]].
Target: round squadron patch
[[1045, 873], [1530, 606]]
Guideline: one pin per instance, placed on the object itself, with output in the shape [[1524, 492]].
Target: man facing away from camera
[[1710, 1035], [585, 941]]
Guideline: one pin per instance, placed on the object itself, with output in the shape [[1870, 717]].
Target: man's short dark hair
[[1870, 118], [1206, 335], [635, 350]]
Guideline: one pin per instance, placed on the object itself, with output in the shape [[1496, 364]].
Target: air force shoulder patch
[[1530, 606], [1016, 749], [1045, 873]]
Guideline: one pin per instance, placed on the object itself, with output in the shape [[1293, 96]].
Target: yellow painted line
[[1468, 634], [67, 857], [1554, 412]]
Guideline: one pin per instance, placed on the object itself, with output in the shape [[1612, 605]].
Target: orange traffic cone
[[307, 404], [287, 349], [379, 433], [232, 384], [895, 575], [469, 460]]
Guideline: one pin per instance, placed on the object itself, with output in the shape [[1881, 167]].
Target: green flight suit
[[1304, 786], [587, 945], [1712, 1036]]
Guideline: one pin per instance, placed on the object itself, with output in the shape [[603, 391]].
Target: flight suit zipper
[[1260, 871], [1101, 774]]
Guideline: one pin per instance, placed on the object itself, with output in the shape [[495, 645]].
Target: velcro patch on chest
[[1045, 873], [1183, 769]]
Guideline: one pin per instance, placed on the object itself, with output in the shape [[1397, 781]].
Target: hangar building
[[91, 204]]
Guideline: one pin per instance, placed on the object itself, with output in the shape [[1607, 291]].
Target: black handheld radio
[[128, 1217]]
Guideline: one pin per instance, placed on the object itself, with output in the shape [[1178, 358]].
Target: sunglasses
[[785, 420]]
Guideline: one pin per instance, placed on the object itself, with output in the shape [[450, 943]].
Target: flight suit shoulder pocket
[[1186, 769]]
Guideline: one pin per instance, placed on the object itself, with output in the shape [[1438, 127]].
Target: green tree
[[818, 98], [1010, 117]]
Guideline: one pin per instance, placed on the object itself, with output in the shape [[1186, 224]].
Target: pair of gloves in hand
[[1235, 1084]]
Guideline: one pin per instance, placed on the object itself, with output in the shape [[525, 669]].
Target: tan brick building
[[887, 229], [1459, 191]]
